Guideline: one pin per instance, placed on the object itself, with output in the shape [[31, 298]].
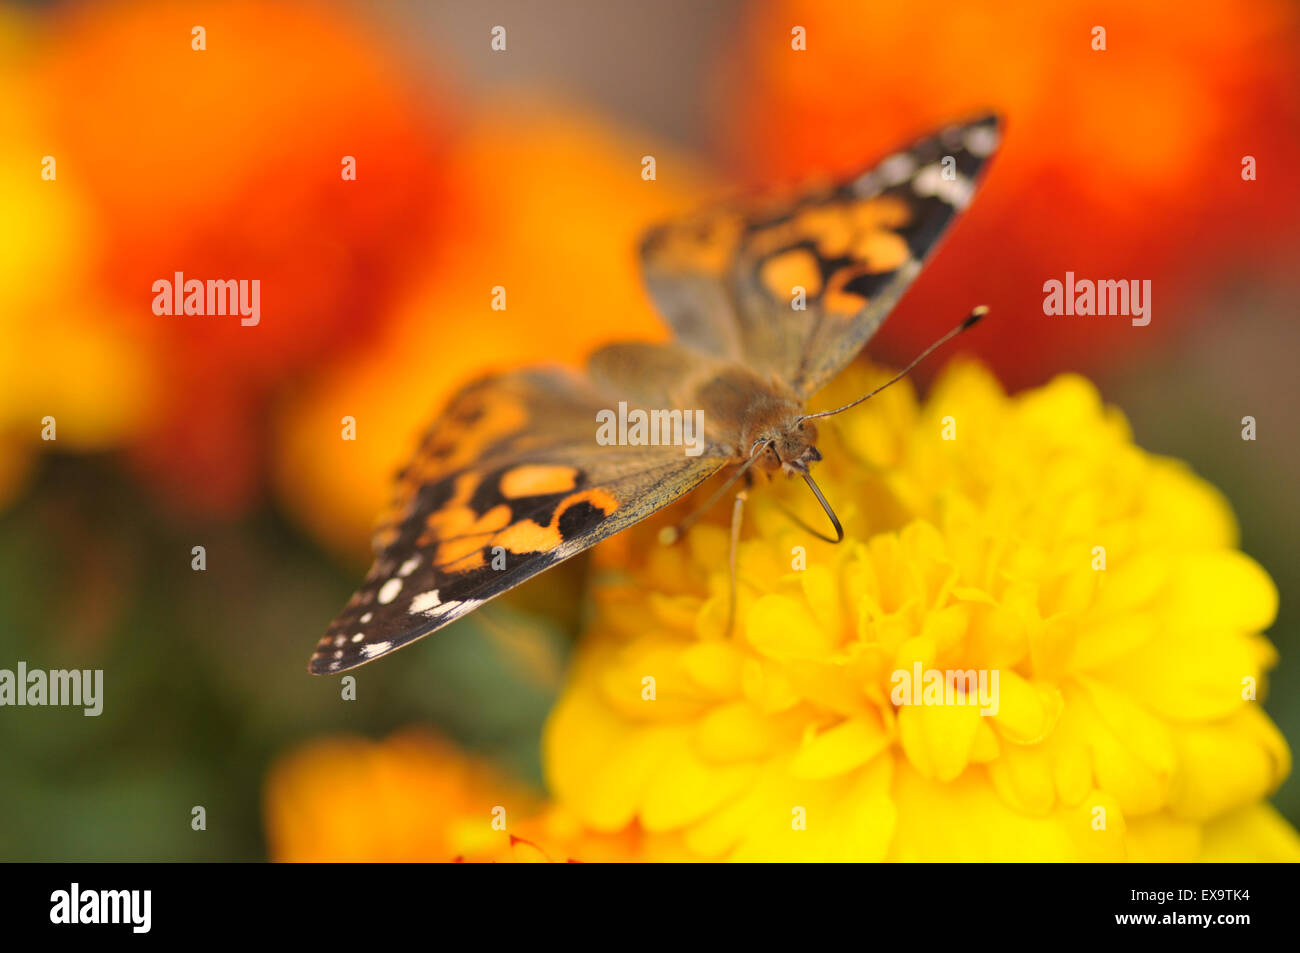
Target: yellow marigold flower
[[1024, 537]]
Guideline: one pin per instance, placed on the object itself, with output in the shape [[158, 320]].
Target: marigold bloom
[[412, 797], [415, 797], [60, 356], [1124, 725], [227, 162]]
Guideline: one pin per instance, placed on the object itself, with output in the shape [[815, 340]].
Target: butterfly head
[[790, 449]]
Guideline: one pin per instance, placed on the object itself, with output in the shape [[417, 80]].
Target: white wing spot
[[867, 185], [339, 640], [425, 602], [409, 566], [367, 617], [897, 168], [358, 637], [375, 648], [956, 192], [981, 140], [389, 591], [469, 606]]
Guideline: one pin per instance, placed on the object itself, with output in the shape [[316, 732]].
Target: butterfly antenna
[[971, 320]]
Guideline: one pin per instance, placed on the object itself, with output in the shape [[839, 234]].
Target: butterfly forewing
[[797, 287], [509, 481]]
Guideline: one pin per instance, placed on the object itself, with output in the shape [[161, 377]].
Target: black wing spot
[[580, 518]]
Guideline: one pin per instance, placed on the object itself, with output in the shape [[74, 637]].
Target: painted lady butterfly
[[512, 468]]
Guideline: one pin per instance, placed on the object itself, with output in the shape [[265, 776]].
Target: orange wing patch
[[537, 480], [838, 230], [881, 251], [796, 267], [461, 534], [838, 301], [865, 231], [458, 530], [528, 536]]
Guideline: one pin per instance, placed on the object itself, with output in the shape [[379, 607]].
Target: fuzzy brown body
[[741, 407], [751, 414], [767, 301]]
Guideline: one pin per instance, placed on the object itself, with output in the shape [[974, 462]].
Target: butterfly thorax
[[757, 415]]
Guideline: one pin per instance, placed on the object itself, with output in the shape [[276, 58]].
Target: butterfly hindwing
[[729, 280], [509, 481]]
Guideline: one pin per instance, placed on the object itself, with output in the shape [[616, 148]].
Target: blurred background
[[521, 168]]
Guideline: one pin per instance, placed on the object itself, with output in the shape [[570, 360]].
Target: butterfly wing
[[508, 481], [726, 280]]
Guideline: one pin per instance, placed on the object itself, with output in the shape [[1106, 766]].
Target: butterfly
[[767, 301]]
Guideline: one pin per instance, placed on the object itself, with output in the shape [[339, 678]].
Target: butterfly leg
[[671, 534], [737, 510]]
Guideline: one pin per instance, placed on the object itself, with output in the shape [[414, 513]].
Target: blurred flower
[[552, 204], [412, 797], [60, 356], [1121, 729], [1117, 164], [415, 797], [558, 833], [225, 163]]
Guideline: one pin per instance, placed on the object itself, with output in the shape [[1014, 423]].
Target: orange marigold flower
[[226, 163], [412, 797], [415, 797], [60, 353]]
